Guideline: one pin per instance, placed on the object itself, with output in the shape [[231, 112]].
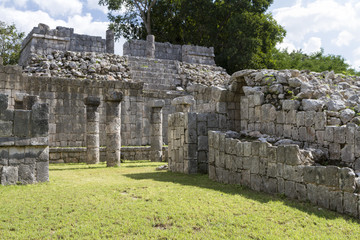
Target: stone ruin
[[287, 132], [24, 147], [290, 132]]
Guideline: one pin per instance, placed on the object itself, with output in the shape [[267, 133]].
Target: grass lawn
[[137, 202]]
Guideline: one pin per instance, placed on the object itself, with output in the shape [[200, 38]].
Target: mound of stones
[[89, 65], [208, 75], [336, 94]]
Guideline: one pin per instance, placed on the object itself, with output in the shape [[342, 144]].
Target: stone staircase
[[157, 74]]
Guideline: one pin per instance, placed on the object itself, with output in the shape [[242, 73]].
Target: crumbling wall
[[285, 170], [43, 40], [185, 53], [24, 150]]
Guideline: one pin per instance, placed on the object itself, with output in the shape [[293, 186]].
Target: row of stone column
[[113, 129]]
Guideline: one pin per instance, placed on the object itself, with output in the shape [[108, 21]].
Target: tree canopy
[[317, 62], [10, 43], [242, 34]]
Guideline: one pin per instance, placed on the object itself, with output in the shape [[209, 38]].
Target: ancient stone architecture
[[24, 150], [288, 132]]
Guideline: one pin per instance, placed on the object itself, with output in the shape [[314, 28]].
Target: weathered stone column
[[183, 104], [150, 46], [92, 130], [113, 128], [110, 42], [156, 121]]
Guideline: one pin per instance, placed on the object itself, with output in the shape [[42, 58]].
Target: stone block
[[320, 120], [3, 102], [347, 180], [244, 108], [292, 155], [22, 123], [254, 169], [290, 190], [309, 118], [336, 201], [280, 117], [301, 192], [329, 133], [281, 185], [290, 117], [310, 174], [334, 151], [239, 149], [348, 153], [290, 105], [312, 193], [246, 163], [351, 203], [9, 175], [256, 182], [212, 173], [26, 174], [323, 197], [6, 128], [339, 134], [270, 185], [203, 143], [247, 147], [245, 178], [268, 113], [300, 119]]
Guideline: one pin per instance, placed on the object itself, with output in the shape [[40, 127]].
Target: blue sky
[[310, 24]]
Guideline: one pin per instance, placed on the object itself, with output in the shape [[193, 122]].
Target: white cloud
[[312, 45], [286, 45], [343, 39], [60, 7], [94, 4]]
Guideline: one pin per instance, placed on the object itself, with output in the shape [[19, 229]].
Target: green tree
[[127, 24], [317, 62], [10, 43], [242, 34]]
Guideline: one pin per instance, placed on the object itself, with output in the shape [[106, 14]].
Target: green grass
[[137, 202]]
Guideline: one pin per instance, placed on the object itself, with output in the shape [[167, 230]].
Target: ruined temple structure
[[289, 132]]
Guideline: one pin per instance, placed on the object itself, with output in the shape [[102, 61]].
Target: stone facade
[[282, 169], [78, 154], [24, 150], [185, 53], [43, 40]]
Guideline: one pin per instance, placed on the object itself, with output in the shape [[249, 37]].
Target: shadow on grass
[[203, 181]]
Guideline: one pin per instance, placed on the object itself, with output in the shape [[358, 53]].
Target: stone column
[[110, 42], [183, 104], [113, 128], [92, 130], [156, 120], [150, 46]]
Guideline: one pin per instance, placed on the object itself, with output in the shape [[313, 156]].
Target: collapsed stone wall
[[185, 53], [24, 150], [43, 40], [317, 111], [282, 169]]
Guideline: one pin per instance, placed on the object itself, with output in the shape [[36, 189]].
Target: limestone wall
[[24, 151], [78, 154], [282, 169], [43, 40], [188, 140], [185, 53]]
